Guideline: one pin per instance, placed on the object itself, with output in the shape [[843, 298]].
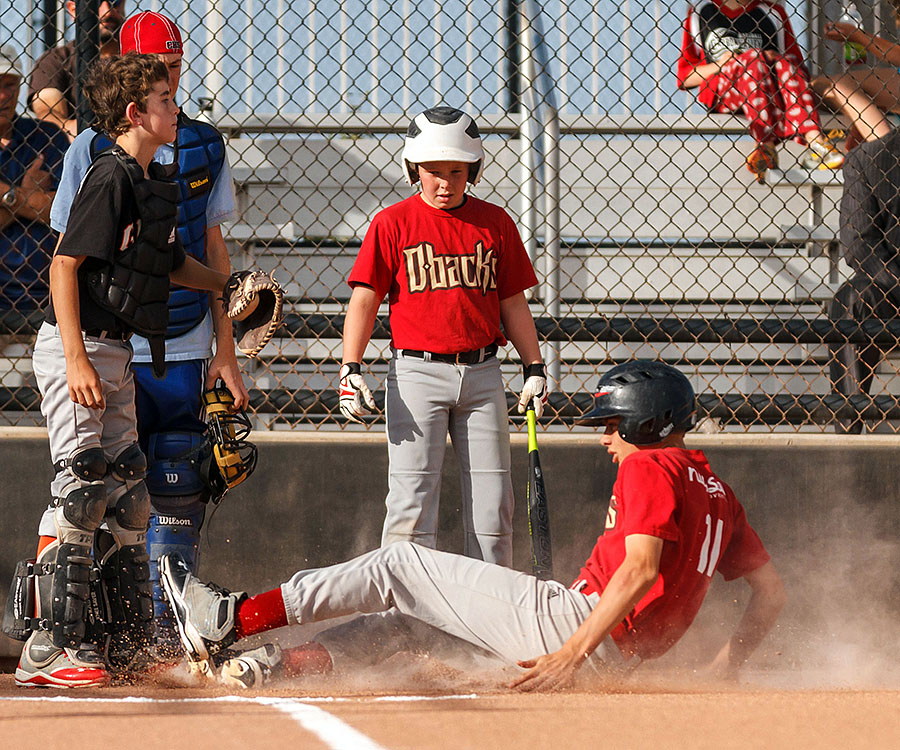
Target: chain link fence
[[650, 237]]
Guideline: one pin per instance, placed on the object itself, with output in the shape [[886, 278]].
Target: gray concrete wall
[[826, 506]]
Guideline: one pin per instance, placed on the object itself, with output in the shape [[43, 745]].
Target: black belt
[[474, 357], [98, 333]]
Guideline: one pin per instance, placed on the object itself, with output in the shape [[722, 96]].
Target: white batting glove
[[534, 390], [355, 397]]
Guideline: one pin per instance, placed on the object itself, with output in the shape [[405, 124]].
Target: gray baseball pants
[[509, 614], [426, 400], [71, 426]]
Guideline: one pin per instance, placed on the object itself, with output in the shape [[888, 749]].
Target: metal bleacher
[[740, 307]]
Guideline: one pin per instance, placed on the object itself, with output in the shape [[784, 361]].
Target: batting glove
[[355, 397], [535, 389]]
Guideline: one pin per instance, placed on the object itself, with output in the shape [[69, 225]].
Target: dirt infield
[[170, 716]]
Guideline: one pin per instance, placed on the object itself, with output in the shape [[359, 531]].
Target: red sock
[[310, 658], [44, 542], [260, 613]]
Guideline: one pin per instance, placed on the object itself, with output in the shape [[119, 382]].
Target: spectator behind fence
[[862, 93], [31, 155], [870, 238], [53, 85], [744, 59]]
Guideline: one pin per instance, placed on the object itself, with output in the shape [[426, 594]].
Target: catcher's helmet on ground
[[442, 134], [651, 399]]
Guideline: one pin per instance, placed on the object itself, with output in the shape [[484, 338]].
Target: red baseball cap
[[150, 33]]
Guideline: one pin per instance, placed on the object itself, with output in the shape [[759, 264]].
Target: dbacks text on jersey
[[426, 271]]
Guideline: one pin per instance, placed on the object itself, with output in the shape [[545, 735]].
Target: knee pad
[[130, 465], [130, 509], [82, 501], [80, 512], [174, 462], [88, 464], [129, 503]]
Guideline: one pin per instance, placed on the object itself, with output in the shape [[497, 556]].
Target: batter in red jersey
[[672, 524], [670, 494], [454, 271]]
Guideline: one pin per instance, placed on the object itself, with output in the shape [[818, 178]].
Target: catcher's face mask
[[233, 456]]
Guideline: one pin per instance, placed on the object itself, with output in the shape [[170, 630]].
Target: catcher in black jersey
[[109, 278]]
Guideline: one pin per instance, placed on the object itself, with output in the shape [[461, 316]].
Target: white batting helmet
[[442, 134]]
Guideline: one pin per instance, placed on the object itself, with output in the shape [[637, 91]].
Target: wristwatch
[[9, 198]]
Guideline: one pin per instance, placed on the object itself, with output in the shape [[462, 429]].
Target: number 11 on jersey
[[709, 558]]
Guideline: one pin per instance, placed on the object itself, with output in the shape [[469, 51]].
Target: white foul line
[[328, 728]]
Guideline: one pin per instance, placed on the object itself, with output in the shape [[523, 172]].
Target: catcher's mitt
[[253, 300]]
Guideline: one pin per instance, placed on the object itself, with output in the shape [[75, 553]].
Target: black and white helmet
[[442, 134]]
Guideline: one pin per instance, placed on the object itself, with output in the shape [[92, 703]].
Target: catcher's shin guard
[[172, 530], [121, 553], [127, 598], [179, 491], [79, 512], [28, 606], [20, 617]]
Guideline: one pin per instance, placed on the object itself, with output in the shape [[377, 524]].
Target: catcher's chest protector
[[200, 157], [135, 287]]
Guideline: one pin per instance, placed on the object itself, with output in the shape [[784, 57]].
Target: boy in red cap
[[171, 433]]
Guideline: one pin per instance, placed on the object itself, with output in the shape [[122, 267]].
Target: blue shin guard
[[171, 531], [178, 493]]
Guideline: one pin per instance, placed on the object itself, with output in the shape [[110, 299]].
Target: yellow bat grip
[[532, 429]]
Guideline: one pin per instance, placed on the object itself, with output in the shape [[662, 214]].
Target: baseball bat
[[538, 515]]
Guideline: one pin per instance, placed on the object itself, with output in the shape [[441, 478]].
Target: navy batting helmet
[[651, 399]]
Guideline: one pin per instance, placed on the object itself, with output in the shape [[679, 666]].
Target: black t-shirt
[[102, 221], [756, 28]]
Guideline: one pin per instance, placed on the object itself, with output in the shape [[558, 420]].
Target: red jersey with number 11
[[672, 494]]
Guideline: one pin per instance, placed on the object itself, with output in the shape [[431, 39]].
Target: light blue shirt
[[196, 343]]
